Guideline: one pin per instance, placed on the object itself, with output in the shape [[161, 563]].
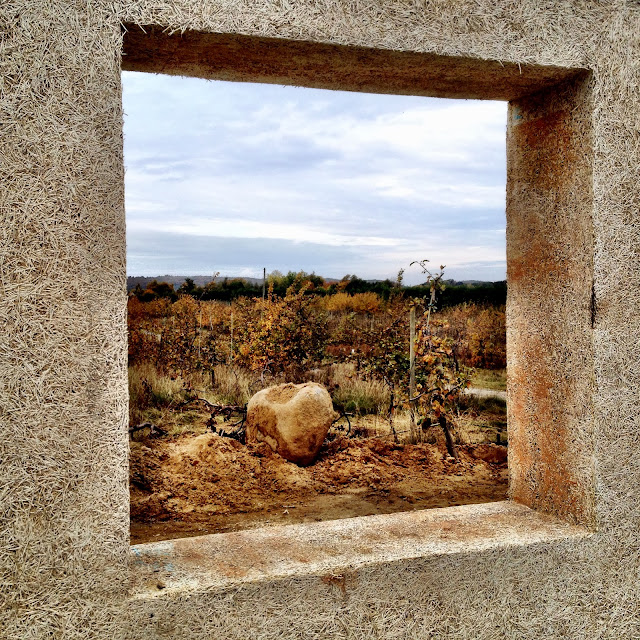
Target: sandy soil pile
[[194, 484]]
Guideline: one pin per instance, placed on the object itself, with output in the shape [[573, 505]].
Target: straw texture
[[63, 445], [63, 394]]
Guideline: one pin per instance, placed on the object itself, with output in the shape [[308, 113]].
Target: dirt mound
[[491, 453], [190, 484]]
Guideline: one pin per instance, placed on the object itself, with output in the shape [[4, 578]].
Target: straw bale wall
[[66, 569]]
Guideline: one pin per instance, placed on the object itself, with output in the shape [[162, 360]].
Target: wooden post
[[231, 353], [412, 372], [264, 286], [199, 334]]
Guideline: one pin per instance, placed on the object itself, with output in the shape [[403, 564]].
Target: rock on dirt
[[293, 419]]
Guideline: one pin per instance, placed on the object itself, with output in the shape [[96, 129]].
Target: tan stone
[[293, 419]]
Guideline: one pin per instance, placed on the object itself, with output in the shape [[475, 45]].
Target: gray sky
[[231, 177]]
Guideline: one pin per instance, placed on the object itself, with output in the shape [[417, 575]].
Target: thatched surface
[[550, 301], [63, 392], [224, 56], [63, 495], [323, 549]]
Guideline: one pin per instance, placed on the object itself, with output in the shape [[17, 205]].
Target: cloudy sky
[[232, 177]]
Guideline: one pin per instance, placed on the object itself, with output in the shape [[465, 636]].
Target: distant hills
[[176, 281], [229, 288], [201, 281]]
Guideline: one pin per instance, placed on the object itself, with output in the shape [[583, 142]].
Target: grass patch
[[233, 385], [148, 389], [353, 394], [490, 379], [483, 404], [482, 420]]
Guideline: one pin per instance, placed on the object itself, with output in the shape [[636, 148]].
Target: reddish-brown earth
[[195, 484]]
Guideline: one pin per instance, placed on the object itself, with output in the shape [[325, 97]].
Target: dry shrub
[[159, 308], [179, 338], [216, 315], [481, 333], [280, 336], [367, 302]]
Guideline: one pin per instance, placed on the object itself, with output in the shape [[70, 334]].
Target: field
[[194, 365]]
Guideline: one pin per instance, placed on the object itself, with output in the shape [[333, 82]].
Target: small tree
[[282, 336], [441, 380], [432, 386]]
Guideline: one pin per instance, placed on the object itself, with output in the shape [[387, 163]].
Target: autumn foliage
[[301, 336], [480, 333], [281, 336]]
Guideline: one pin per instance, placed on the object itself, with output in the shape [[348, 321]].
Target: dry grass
[[153, 396], [490, 379], [481, 420], [233, 385], [354, 394], [368, 302], [148, 389]]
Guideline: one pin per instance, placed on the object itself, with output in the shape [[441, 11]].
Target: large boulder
[[293, 419]]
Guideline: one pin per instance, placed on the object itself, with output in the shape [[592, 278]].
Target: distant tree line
[[228, 289]]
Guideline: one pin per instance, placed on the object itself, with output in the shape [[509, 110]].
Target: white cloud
[[229, 227], [395, 178]]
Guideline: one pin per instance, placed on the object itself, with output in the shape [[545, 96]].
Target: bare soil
[[190, 484]]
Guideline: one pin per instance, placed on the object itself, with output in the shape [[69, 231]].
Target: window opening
[[277, 235]]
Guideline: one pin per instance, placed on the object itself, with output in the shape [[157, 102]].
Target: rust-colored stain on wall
[[550, 280]]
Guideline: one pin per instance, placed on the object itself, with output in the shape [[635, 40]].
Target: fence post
[[412, 372]]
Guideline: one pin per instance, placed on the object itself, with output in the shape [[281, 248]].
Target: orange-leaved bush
[[281, 337]]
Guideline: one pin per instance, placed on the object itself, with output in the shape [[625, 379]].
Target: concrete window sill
[[213, 562]]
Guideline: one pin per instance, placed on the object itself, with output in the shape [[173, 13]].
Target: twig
[[154, 430], [217, 408], [344, 414], [226, 410]]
